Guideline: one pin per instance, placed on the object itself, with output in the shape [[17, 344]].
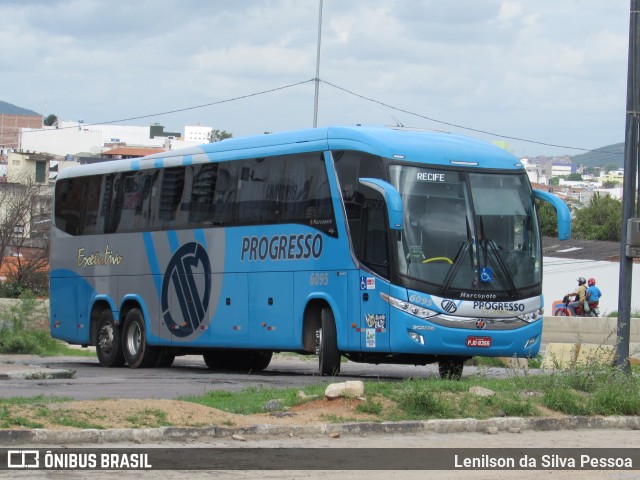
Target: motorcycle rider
[[580, 294], [593, 295]]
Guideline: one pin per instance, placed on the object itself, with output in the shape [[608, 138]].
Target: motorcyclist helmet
[[582, 281], [592, 282]]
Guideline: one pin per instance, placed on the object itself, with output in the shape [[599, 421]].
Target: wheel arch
[[312, 320], [130, 302], [100, 303]]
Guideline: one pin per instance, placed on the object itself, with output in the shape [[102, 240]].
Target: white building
[[70, 138], [197, 134]]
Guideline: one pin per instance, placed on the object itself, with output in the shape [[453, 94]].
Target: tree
[[25, 208], [593, 171], [601, 220], [218, 135], [50, 120], [547, 218], [576, 177], [554, 181]]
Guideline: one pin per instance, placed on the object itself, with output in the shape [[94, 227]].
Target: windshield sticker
[[486, 275], [371, 337], [98, 258]]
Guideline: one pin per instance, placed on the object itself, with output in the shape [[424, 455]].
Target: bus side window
[[91, 206], [172, 184], [225, 194], [68, 202], [375, 240], [202, 204]]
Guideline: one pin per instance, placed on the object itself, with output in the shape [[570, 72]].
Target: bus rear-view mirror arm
[[392, 199], [562, 212]]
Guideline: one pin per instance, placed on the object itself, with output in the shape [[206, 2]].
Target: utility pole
[[317, 79], [629, 187]]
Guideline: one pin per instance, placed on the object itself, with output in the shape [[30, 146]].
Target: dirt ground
[[156, 413]]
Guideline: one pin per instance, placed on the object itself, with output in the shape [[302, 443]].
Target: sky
[[553, 73]]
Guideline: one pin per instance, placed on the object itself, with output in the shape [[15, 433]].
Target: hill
[[609, 155], [10, 109]]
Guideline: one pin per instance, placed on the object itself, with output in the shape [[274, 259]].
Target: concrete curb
[[465, 425], [35, 373]]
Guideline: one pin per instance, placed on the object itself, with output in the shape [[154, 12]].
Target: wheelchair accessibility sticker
[[486, 275]]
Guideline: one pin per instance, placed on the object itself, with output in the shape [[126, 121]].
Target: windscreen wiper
[[455, 267], [493, 247], [507, 274]]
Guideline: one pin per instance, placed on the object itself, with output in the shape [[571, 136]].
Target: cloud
[[545, 70]]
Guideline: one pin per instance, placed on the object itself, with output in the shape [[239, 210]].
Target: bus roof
[[421, 146]]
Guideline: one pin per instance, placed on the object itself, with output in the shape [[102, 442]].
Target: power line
[[219, 102], [462, 126], [363, 97]]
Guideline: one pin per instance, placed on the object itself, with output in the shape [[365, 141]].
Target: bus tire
[[108, 345], [329, 356], [261, 360], [136, 350], [450, 368]]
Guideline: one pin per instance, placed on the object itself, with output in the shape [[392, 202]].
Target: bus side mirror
[[562, 211], [392, 199]]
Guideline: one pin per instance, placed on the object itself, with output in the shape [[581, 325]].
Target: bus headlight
[[532, 316], [407, 307]]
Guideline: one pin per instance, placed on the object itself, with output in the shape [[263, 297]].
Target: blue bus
[[379, 244]]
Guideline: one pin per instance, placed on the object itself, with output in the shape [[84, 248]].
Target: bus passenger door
[[374, 254]]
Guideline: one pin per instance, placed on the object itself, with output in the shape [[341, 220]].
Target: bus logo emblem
[[448, 306], [187, 279]]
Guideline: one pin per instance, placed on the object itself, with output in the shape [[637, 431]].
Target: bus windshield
[[466, 230]]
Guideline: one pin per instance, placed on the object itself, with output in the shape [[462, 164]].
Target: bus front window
[[467, 231]]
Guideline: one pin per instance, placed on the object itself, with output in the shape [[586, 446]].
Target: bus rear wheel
[[136, 350], [108, 345], [450, 368], [328, 354]]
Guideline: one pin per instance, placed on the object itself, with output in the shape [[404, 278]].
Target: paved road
[[190, 376], [578, 440]]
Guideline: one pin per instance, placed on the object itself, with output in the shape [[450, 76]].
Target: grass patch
[[253, 399], [581, 390], [24, 329], [149, 418]]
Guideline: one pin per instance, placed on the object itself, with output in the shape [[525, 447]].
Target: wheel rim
[[105, 339], [134, 339]]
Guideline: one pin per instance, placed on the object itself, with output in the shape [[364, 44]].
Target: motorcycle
[[561, 309]]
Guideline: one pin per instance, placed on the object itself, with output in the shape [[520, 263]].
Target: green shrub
[[24, 329]]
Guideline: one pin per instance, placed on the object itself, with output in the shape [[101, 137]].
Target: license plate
[[482, 342]]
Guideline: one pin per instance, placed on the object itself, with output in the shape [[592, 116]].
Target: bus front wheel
[[108, 346], [328, 355], [136, 350], [450, 368]]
